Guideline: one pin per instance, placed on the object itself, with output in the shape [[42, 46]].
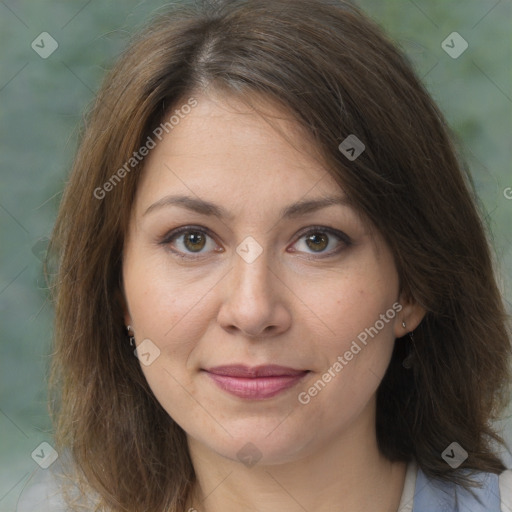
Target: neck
[[346, 474]]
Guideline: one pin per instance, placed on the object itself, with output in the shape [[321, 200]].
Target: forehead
[[225, 147]]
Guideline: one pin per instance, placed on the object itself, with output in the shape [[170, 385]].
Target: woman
[[267, 211]]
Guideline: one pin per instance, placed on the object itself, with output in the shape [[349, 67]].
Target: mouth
[[257, 382]]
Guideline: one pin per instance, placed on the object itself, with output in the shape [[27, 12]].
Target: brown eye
[[317, 241], [190, 242], [194, 241], [322, 242]]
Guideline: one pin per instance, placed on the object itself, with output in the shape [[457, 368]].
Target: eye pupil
[[319, 240], [194, 240]]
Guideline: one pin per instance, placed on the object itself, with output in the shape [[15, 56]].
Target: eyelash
[[174, 234]]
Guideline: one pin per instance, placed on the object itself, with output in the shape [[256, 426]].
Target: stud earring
[[131, 337], [403, 325]]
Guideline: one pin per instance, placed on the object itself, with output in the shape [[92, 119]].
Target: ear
[[127, 319], [411, 314], [121, 300]]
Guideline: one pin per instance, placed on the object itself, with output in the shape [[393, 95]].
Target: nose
[[254, 300]]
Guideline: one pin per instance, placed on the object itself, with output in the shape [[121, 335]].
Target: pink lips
[[257, 382]]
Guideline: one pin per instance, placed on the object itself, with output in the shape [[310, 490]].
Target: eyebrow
[[211, 209]]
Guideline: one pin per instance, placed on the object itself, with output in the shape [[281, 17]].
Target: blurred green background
[[41, 106]]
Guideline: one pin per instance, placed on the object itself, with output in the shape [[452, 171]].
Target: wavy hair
[[337, 74]]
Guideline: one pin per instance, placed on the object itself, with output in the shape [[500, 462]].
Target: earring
[[131, 337], [403, 325], [408, 362]]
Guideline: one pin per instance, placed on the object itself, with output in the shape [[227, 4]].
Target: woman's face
[[233, 258]]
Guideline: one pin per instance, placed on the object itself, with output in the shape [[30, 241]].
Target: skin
[[296, 305]]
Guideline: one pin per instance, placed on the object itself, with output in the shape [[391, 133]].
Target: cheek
[[357, 354], [350, 303], [170, 311], [166, 305], [356, 308]]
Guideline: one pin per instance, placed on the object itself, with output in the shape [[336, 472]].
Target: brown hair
[[337, 74]]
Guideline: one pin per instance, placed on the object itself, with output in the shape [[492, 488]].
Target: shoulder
[[42, 492], [493, 495], [48, 490], [505, 485]]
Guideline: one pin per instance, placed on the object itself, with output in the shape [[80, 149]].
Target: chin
[[257, 441]]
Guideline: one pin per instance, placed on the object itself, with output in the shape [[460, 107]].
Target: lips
[[271, 370], [258, 382]]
